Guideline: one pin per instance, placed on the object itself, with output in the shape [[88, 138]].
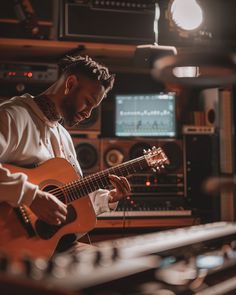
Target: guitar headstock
[[156, 158]]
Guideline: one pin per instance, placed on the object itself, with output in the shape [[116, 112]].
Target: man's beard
[[68, 113]]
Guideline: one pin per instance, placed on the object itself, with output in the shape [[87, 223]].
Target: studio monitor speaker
[[91, 125], [115, 151], [209, 99], [107, 21], [88, 154], [201, 162]]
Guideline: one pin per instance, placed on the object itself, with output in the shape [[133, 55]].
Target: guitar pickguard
[[46, 231]]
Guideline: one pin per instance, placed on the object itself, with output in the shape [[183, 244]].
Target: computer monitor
[[145, 115]]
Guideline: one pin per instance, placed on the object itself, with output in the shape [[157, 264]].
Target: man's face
[[83, 97]]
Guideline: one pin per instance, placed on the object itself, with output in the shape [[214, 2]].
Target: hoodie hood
[[29, 101]]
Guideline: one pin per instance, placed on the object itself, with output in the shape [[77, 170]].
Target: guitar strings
[[95, 181], [85, 188]]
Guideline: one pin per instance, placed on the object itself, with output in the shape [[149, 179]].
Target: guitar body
[[15, 239], [22, 233]]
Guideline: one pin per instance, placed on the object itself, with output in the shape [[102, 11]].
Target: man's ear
[[70, 81]]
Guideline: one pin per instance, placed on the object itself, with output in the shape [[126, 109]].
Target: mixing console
[[149, 206], [195, 260], [162, 184]]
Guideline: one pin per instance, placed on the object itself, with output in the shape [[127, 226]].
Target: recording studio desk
[[114, 228], [147, 222]]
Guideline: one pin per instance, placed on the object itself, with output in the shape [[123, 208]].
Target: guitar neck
[[91, 183]]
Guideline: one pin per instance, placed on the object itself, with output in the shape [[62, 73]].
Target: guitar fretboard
[[91, 183]]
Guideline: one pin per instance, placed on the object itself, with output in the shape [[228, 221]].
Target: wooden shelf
[[52, 50]]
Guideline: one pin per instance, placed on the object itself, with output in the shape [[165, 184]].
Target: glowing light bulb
[[187, 14], [188, 71]]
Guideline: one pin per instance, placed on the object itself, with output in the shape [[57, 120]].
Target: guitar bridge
[[25, 221]]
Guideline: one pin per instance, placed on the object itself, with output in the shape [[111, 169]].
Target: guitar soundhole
[[56, 191], [46, 231]]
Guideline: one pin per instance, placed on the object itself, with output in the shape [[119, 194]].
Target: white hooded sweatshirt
[[28, 138]]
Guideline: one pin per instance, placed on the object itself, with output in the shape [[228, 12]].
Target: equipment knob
[[97, 258], [50, 266], [4, 263], [115, 254], [28, 265]]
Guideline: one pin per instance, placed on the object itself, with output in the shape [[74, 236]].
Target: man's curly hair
[[86, 66]]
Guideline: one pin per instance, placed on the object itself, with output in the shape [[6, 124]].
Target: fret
[[82, 187]]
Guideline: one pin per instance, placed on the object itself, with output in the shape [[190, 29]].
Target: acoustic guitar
[[22, 233]]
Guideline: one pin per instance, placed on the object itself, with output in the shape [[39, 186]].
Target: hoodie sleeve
[[15, 189], [100, 203], [8, 133]]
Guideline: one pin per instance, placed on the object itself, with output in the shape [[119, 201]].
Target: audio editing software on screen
[[146, 115]]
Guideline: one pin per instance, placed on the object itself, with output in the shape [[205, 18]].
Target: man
[[31, 133]]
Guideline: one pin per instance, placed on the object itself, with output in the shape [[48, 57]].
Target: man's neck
[[48, 107]]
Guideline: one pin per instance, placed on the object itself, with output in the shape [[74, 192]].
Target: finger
[[62, 209], [126, 183], [55, 221], [121, 184], [113, 177], [61, 217], [58, 205], [115, 181], [55, 214]]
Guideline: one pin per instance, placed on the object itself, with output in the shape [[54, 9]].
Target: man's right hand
[[48, 208]]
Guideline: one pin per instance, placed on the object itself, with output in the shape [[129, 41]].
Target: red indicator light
[[29, 74], [148, 183]]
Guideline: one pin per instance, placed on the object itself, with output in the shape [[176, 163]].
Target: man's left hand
[[121, 190]]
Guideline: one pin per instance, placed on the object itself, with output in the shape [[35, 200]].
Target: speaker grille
[[88, 154]]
